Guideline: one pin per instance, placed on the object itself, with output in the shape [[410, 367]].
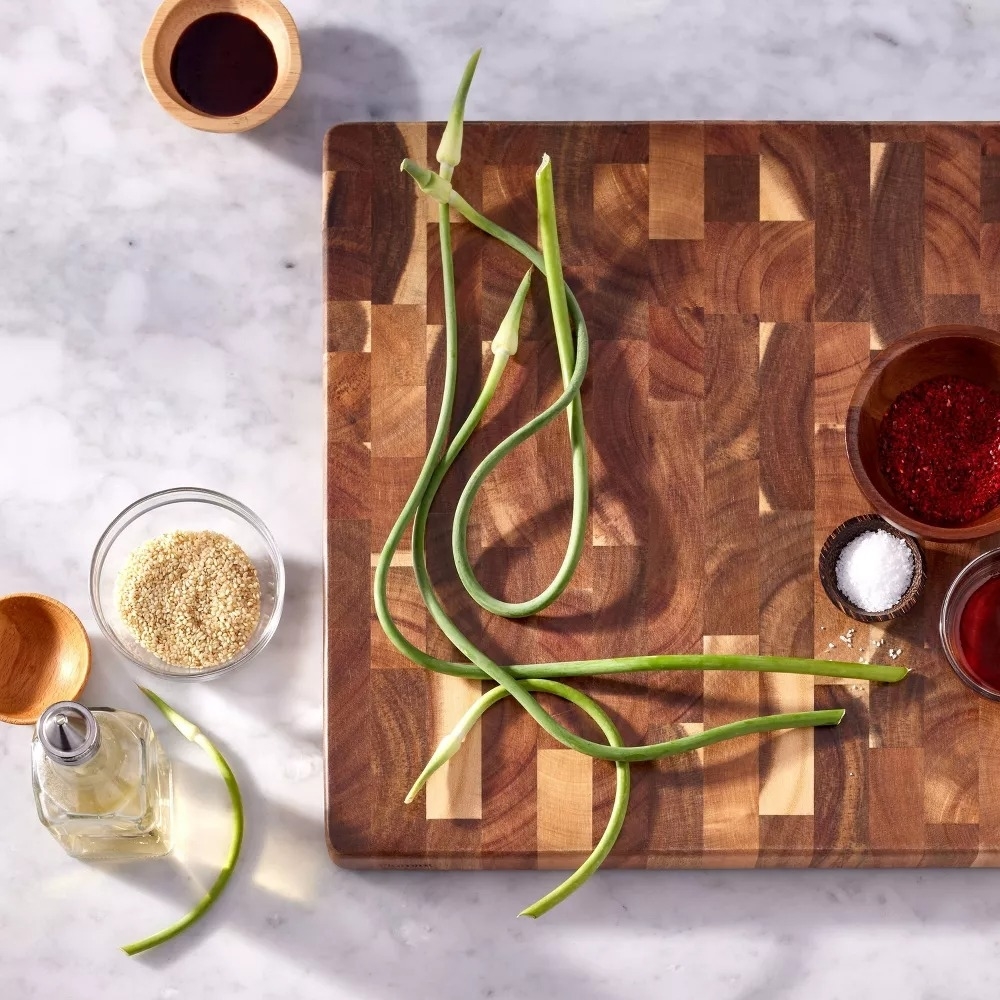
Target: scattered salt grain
[[893, 653], [874, 570]]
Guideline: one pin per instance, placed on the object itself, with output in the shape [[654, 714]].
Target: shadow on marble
[[454, 935], [265, 687], [186, 875], [113, 679], [350, 928], [347, 75]]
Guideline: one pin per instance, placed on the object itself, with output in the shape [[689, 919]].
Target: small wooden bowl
[[830, 553], [44, 656], [170, 21], [969, 351]]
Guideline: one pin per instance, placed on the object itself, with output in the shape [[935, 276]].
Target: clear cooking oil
[[102, 783]]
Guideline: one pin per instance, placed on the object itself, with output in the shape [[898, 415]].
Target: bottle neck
[[102, 760], [69, 733]]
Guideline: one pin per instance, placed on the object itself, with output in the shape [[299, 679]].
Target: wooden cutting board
[[736, 278]]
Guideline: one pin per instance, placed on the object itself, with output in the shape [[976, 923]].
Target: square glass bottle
[[102, 783]]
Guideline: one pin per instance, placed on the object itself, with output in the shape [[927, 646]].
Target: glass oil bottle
[[102, 783]]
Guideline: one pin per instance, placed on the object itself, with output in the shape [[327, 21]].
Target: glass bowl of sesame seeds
[[187, 583]]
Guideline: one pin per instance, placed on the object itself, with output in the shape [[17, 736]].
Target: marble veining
[[160, 325]]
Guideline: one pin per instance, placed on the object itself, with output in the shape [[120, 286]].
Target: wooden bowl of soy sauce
[[222, 65]]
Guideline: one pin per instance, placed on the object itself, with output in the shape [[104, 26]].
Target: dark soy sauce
[[223, 64]]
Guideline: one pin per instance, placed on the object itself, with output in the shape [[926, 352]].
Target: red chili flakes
[[939, 448]]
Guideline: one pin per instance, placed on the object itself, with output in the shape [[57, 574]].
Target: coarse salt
[[874, 570]]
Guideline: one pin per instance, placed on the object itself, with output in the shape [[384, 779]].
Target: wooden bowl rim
[[279, 96], [83, 674], [846, 532], [883, 506]]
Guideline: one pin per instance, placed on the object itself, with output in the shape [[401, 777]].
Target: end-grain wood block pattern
[[736, 277]]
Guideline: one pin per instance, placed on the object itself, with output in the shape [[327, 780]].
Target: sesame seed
[[192, 598]]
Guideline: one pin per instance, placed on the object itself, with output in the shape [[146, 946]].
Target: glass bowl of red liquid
[[970, 624], [953, 354]]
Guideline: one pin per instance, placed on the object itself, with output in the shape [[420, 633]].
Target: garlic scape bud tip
[[430, 183], [449, 151], [446, 749], [506, 340]]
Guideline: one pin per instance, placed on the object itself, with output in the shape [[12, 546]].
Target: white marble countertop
[[160, 325]]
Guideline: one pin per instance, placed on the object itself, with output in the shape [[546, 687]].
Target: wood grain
[[785, 421], [676, 353], [787, 172], [841, 795], [565, 790], [843, 223], [841, 356], [676, 182], [675, 837], [732, 477], [675, 594], [620, 390], [787, 271], [895, 814], [732, 786], [989, 785], [735, 279], [44, 656], [456, 790], [989, 258], [732, 268], [897, 242], [951, 210], [786, 623], [732, 188]]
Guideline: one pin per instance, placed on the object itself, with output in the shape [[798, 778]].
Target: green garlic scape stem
[[452, 743], [449, 151], [580, 668], [507, 336], [496, 673], [436, 464], [545, 193], [886, 674], [573, 371], [191, 732], [432, 184], [623, 780], [577, 434]]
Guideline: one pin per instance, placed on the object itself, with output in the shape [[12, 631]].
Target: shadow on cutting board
[[347, 75]]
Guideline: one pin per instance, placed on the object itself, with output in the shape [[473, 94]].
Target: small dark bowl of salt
[[870, 570]]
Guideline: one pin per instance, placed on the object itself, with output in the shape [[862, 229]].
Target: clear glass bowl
[[185, 509], [969, 580]]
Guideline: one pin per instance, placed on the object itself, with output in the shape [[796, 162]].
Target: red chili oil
[[979, 634], [939, 449]]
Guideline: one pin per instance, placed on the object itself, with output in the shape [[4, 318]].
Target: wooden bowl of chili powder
[[923, 433]]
